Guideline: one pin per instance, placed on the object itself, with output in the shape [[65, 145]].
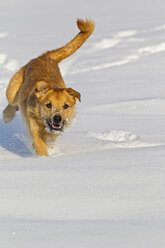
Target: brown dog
[[39, 91]]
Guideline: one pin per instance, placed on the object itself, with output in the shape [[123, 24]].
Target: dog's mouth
[[53, 127]]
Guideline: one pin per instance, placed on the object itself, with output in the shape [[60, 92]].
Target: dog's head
[[57, 106]]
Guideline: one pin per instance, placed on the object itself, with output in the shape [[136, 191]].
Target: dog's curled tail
[[86, 28]]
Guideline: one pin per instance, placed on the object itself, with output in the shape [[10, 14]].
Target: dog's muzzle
[[56, 124]]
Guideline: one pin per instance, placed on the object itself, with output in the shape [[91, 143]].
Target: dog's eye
[[48, 105], [66, 106]]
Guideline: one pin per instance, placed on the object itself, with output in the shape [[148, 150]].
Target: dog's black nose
[[57, 119]]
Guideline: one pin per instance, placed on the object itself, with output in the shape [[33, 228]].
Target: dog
[[39, 92]]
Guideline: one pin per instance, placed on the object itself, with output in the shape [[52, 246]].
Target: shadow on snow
[[11, 137]]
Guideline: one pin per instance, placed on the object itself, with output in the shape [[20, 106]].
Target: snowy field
[[104, 185]]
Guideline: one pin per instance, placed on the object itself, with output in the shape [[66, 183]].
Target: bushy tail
[[86, 28]]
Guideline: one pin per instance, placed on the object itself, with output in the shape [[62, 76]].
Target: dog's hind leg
[[12, 95], [14, 86]]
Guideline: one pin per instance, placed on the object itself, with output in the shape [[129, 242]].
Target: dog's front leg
[[39, 144]]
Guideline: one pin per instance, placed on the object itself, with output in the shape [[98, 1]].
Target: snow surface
[[104, 185]]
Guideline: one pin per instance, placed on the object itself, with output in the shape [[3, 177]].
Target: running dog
[[39, 91]]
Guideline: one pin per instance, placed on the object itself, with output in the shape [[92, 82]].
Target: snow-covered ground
[[104, 185]]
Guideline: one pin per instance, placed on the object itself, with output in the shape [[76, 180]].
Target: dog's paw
[[9, 113]]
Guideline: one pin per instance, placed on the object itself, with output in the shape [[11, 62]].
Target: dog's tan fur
[[39, 91]]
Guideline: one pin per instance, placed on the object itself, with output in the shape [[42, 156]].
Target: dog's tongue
[[57, 126]]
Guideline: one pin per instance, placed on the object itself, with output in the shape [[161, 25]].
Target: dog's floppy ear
[[74, 93], [42, 88]]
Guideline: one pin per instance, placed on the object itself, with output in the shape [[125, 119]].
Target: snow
[[103, 186]]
